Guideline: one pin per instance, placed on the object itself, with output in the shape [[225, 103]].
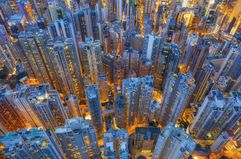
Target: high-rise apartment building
[[191, 42], [234, 69], [54, 12], [203, 83], [145, 67], [120, 112], [116, 144], [217, 113], [73, 105], [91, 59], [78, 139], [48, 106], [145, 97], [170, 29], [137, 94], [173, 143], [8, 54], [130, 91], [222, 139], [19, 100], [126, 66], [61, 24], [151, 46], [177, 91], [93, 100], [137, 42], [10, 119], [34, 44], [85, 21], [199, 56], [233, 55], [120, 71], [65, 67], [132, 57], [167, 62], [62, 28], [103, 87], [31, 144], [80, 26], [143, 140], [108, 64]]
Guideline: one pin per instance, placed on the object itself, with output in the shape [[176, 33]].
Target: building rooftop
[[73, 124]]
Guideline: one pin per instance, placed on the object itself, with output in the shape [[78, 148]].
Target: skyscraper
[[52, 11], [17, 22], [19, 100], [143, 140], [114, 40], [103, 87], [173, 143], [224, 138], [119, 10], [48, 106], [10, 119], [199, 55], [78, 139], [62, 28], [137, 94], [80, 25], [151, 46], [111, 8], [65, 67], [93, 99], [120, 112], [132, 57], [230, 144], [233, 55], [129, 67], [104, 36], [170, 29], [216, 114], [176, 93], [203, 83], [159, 16], [145, 97], [120, 71], [8, 54], [108, 64], [167, 62], [191, 42], [234, 70], [31, 144], [130, 91], [137, 42], [73, 105], [145, 67], [86, 24], [154, 111], [116, 144], [91, 59], [34, 46]]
